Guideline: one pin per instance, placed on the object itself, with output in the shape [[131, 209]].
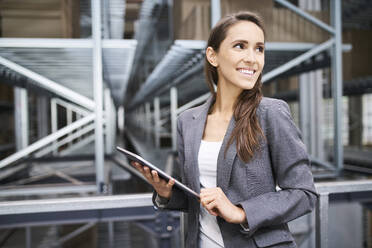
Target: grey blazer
[[282, 161]]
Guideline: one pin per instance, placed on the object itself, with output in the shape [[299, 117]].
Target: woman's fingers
[[211, 207], [147, 174], [155, 176], [145, 171], [160, 185], [137, 166], [170, 183], [204, 200]]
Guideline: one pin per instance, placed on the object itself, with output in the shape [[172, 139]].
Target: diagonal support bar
[[194, 102], [45, 141], [294, 62], [307, 16], [73, 234], [50, 85], [77, 109], [66, 140]]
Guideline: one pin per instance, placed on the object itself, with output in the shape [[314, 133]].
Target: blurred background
[[80, 77]]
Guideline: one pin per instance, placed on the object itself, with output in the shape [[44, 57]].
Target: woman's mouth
[[247, 72]]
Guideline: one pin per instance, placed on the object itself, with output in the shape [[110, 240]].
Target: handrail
[[75, 204]]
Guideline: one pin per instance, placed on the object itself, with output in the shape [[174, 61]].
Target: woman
[[241, 151]]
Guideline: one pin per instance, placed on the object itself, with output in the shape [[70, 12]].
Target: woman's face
[[241, 58]]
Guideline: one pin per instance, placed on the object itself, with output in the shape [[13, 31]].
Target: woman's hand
[[162, 187], [216, 203]]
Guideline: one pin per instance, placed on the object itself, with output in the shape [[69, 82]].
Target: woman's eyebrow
[[240, 41], [246, 42]]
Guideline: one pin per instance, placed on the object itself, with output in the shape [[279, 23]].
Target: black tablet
[[134, 157]]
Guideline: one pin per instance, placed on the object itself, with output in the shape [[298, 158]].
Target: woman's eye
[[239, 45], [260, 49]]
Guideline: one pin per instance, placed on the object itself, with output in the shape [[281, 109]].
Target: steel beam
[[64, 43], [75, 204], [194, 102], [321, 223], [73, 234], [28, 238], [81, 143], [336, 62], [173, 111], [42, 116], [215, 12], [121, 118], [45, 43], [68, 139], [49, 84], [109, 137], [157, 121], [307, 16], [65, 189], [296, 61], [98, 92], [69, 121], [54, 122], [77, 109], [21, 118]]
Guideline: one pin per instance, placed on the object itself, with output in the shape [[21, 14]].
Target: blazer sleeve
[[291, 169], [178, 200]]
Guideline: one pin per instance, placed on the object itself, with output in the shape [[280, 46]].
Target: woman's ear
[[211, 56]]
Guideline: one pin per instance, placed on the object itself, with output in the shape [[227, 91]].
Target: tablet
[[134, 157]]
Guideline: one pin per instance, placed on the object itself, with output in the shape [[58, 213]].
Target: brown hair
[[247, 132]]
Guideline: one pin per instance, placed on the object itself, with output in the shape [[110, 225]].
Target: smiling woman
[[236, 149], [241, 51], [235, 58]]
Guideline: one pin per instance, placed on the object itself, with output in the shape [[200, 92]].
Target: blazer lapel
[[225, 163], [198, 125]]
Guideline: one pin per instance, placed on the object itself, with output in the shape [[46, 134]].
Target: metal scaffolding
[[155, 105]]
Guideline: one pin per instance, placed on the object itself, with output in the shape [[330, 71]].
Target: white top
[[210, 233]]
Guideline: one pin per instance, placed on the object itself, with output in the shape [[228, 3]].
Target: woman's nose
[[249, 56]]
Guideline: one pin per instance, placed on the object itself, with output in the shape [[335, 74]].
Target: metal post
[[337, 83], [157, 121], [321, 223], [98, 92], [148, 119], [69, 121], [28, 237], [108, 120], [54, 122], [111, 233], [304, 109], [121, 119], [112, 123], [78, 117], [144, 119], [42, 116], [318, 114], [173, 111], [215, 11], [105, 5], [21, 117]]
